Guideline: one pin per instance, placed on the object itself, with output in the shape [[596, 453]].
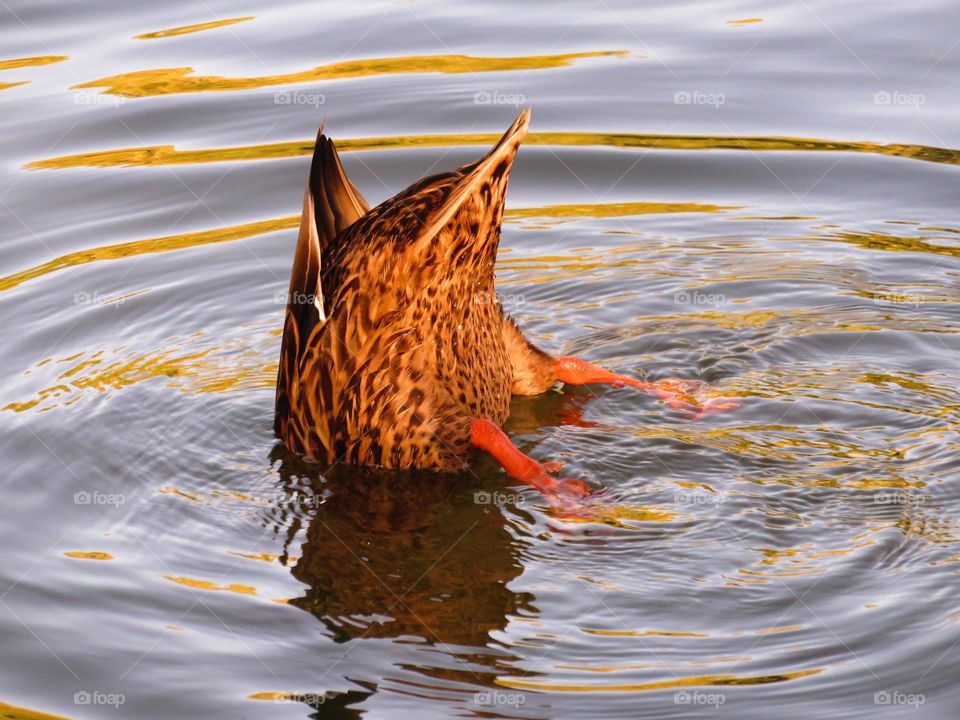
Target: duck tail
[[487, 176], [509, 142], [331, 203], [495, 165]]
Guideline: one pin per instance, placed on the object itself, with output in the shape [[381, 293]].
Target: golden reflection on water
[[166, 81], [619, 515], [278, 696], [683, 634], [177, 492], [263, 557], [893, 243], [96, 374], [778, 630], [696, 681], [12, 712], [784, 443], [186, 29], [80, 555], [602, 210], [151, 245], [169, 155], [233, 365], [27, 62], [696, 663], [32, 61], [643, 633], [206, 585]]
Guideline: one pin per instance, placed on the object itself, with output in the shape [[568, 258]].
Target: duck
[[396, 352]]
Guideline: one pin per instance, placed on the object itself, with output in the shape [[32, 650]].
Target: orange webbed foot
[[553, 467], [578, 501], [694, 398]]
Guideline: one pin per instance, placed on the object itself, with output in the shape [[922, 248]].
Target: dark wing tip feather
[[331, 204], [337, 202]]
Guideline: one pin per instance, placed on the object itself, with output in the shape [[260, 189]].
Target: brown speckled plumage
[[394, 339]]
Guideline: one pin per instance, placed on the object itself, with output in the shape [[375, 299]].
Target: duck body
[[404, 342], [396, 352]]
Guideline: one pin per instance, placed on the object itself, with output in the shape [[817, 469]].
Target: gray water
[[770, 206]]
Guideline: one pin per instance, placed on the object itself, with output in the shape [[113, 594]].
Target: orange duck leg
[[535, 372], [486, 436]]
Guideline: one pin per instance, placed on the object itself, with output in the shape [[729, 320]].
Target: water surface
[[760, 196]]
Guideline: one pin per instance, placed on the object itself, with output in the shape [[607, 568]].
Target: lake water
[[763, 196]]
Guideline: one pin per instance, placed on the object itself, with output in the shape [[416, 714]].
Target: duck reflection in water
[[411, 556]]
